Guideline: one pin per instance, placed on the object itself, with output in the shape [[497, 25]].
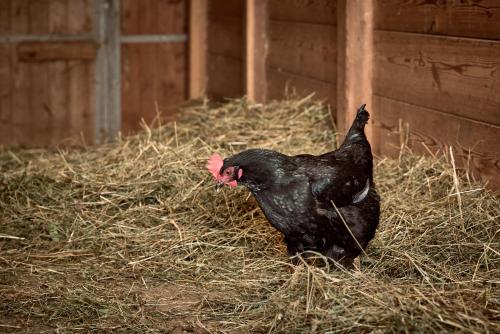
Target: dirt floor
[[131, 237]]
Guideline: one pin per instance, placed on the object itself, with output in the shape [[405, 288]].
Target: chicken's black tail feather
[[362, 117], [357, 131]]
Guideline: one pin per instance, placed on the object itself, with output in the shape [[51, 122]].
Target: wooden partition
[[72, 69], [436, 71], [47, 60], [226, 48], [302, 48]]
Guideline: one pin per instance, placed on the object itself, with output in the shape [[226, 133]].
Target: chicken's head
[[223, 174]]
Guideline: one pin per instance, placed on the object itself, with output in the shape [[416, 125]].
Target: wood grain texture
[[304, 49], [305, 11], [475, 144], [19, 16], [355, 62], [225, 77], [5, 15], [79, 16], [198, 26], [477, 18], [153, 17], [153, 75], [51, 51], [281, 84], [453, 75], [225, 36], [233, 8], [256, 50], [226, 49]]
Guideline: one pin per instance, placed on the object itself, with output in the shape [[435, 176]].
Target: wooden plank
[[5, 15], [80, 81], [449, 17], [281, 84], [153, 17], [58, 10], [19, 14], [153, 76], [37, 128], [172, 17], [225, 77], [52, 51], [130, 57], [234, 8], [453, 75], [21, 131], [355, 61], [198, 25], [225, 37], [80, 110], [256, 50], [57, 107], [171, 79], [5, 93], [305, 11], [79, 17], [304, 49], [475, 144]]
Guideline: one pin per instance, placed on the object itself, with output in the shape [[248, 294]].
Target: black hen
[[302, 195]]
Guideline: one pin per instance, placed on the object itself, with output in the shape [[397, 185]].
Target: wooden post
[[355, 61], [106, 30], [256, 50], [198, 25]]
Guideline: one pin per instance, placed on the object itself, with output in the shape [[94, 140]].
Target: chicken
[[326, 204]]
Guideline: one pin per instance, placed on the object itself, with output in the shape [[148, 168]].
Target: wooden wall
[[436, 67], [302, 52], [154, 76], [226, 48], [45, 87]]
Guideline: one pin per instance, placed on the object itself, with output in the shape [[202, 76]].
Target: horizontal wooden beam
[[51, 51]]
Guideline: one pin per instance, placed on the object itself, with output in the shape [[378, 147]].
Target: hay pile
[[132, 237]]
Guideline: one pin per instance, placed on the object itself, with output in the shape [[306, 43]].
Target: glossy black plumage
[[296, 194]]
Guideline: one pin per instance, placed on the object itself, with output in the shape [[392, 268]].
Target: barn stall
[[110, 221]]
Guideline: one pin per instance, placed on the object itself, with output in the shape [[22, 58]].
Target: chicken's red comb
[[214, 164]]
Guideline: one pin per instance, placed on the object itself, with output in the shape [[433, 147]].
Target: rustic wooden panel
[[280, 82], [153, 17], [226, 8], [454, 75], [311, 11], [437, 130], [152, 74], [225, 76], [225, 37], [478, 18], [308, 50], [225, 46]]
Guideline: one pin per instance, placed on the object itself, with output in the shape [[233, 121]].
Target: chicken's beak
[[218, 186]]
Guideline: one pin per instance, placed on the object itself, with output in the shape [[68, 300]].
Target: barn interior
[[109, 109]]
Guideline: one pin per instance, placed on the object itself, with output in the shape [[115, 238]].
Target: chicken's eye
[[227, 172]]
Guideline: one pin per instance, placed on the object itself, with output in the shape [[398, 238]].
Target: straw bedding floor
[[132, 237]]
